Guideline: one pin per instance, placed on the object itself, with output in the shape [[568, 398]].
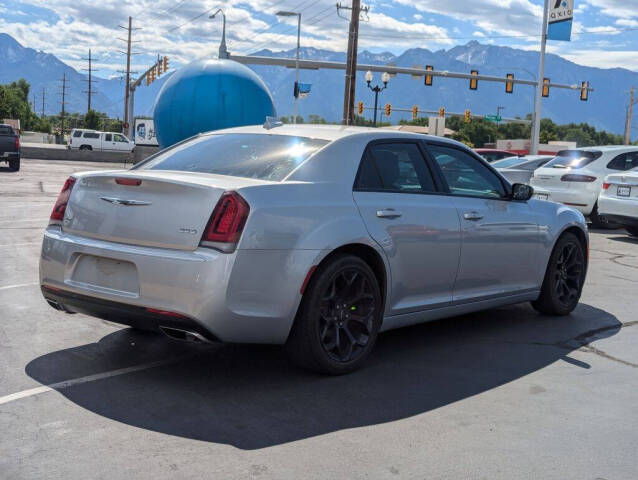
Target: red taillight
[[606, 185], [570, 177], [226, 222], [17, 143], [133, 182], [60, 205]]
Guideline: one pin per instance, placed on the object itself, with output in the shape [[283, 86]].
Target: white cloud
[[478, 34], [626, 22], [604, 58], [616, 8]]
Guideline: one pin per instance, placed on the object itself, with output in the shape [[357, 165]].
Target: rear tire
[[339, 318], [633, 231], [564, 277], [14, 165], [86, 147]]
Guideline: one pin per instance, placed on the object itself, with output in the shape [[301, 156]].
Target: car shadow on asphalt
[[251, 397], [626, 239]]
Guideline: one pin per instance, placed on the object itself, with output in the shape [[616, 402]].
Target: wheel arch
[[368, 254]]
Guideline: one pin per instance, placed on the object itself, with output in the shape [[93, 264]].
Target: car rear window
[[260, 156], [573, 159], [6, 130]]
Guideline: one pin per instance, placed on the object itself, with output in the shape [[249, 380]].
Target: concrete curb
[[44, 153]]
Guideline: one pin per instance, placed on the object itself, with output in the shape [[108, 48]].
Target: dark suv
[[9, 147]]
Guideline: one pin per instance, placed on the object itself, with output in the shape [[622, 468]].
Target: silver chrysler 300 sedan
[[314, 237]]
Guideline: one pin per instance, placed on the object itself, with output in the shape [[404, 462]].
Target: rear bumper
[[621, 219], [609, 206], [10, 155], [249, 296], [582, 200], [131, 315]]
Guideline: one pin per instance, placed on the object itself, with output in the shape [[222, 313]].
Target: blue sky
[[605, 31]]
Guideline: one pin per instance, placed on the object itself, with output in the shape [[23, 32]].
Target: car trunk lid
[[149, 208]]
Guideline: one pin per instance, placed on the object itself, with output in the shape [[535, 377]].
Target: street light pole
[[536, 127], [223, 51], [377, 89], [296, 88]]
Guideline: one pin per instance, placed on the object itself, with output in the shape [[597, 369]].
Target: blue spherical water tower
[[209, 95]]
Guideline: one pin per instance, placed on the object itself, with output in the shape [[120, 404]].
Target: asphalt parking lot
[[506, 393]]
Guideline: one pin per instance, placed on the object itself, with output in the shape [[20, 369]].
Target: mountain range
[[605, 108]]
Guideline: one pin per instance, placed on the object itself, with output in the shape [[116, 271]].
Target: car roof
[[605, 148], [329, 132]]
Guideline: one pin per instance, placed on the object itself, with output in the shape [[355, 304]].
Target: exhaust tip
[[183, 335]]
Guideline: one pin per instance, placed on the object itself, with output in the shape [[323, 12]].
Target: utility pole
[[90, 81], [351, 62], [43, 103], [630, 114], [63, 103], [128, 73], [536, 127]]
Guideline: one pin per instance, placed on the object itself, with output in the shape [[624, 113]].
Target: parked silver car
[[521, 168], [316, 237]]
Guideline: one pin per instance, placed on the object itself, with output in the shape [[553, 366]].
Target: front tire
[[564, 277], [339, 318]]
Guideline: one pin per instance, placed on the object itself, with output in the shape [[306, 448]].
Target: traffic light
[[509, 86], [545, 92], [442, 112], [584, 91], [428, 78], [360, 108], [474, 81], [388, 109], [468, 116], [159, 68], [415, 112], [165, 61]]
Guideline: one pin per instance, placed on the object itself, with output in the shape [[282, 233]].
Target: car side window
[[466, 175], [77, 133], [91, 135], [624, 162], [108, 137], [119, 138], [394, 167]]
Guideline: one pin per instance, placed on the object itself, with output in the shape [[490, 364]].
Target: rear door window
[[108, 137], [394, 167]]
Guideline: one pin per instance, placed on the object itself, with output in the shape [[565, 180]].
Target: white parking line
[[90, 378], [21, 244], [6, 287]]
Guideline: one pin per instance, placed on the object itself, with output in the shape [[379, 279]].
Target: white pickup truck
[[82, 139]]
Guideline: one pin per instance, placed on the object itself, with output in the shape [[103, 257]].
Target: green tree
[[92, 120]]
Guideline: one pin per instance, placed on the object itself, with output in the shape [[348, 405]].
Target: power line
[[192, 19]]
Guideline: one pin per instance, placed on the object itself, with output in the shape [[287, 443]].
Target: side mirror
[[522, 192]]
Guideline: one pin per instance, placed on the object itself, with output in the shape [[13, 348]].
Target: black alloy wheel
[[564, 277], [347, 315], [339, 317]]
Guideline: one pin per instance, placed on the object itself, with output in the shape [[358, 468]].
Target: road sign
[[561, 14], [493, 118]]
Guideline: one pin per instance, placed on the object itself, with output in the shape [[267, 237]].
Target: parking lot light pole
[[223, 51], [385, 78], [536, 126], [296, 90]]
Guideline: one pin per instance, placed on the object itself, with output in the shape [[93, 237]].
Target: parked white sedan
[[575, 177], [618, 200], [520, 169]]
